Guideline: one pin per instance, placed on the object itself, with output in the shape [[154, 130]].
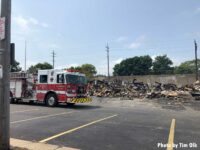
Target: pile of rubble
[[170, 91], [134, 89], [118, 88]]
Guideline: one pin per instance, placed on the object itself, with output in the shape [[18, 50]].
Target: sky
[[79, 30]]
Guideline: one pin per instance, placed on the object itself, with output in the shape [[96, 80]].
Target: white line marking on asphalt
[[41, 117]]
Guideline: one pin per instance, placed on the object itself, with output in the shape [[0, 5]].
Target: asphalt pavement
[[110, 124]]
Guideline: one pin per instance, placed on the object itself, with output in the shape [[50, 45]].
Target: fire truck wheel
[[11, 100], [51, 100]]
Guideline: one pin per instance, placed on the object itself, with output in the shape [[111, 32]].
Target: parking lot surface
[[107, 124]]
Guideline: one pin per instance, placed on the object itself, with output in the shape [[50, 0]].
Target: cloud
[[117, 61], [121, 39], [176, 61], [33, 21], [153, 57], [26, 24], [21, 22], [137, 43]]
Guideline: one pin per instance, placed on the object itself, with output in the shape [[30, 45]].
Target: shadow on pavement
[[76, 106]]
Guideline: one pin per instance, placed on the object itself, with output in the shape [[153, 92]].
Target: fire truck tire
[[11, 100], [51, 100], [14, 101]]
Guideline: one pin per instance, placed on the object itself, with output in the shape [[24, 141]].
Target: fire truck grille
[[80, 90]]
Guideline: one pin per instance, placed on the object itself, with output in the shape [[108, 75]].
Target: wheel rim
[[51, 101]]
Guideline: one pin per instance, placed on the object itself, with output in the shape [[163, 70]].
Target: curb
[[36, 145]]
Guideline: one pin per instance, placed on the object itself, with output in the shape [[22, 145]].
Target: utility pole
[[196, 61], [5, 76], [107, 50], [53, 55], [25, 57]]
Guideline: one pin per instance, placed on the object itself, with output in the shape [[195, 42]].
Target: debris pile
[[195, 92], [134, 89], [117, 88], [170, 91]]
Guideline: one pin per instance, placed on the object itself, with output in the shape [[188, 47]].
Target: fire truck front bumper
[[81, 100]]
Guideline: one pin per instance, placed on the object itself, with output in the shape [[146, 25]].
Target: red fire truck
[[49, 86]]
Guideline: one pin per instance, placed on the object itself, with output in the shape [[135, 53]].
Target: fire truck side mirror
[[12, 53]]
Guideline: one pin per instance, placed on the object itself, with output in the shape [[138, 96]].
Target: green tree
[[134, 66], [187, 67], [117, 70], [77, 68], [88, 69], [162, 65], [16, 67], [39, 66]]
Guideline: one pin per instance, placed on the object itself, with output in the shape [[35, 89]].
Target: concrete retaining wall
[[180, 80]]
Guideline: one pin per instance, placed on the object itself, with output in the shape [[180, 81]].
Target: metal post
[[4, 79], [53, 59], [196, 61], [53, 55], [107, 50], [25, 57]]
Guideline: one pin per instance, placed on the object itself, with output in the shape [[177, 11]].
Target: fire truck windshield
[[75, 79], [83, 79]]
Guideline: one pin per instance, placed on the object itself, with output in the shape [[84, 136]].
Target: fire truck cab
[[61, 86]]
